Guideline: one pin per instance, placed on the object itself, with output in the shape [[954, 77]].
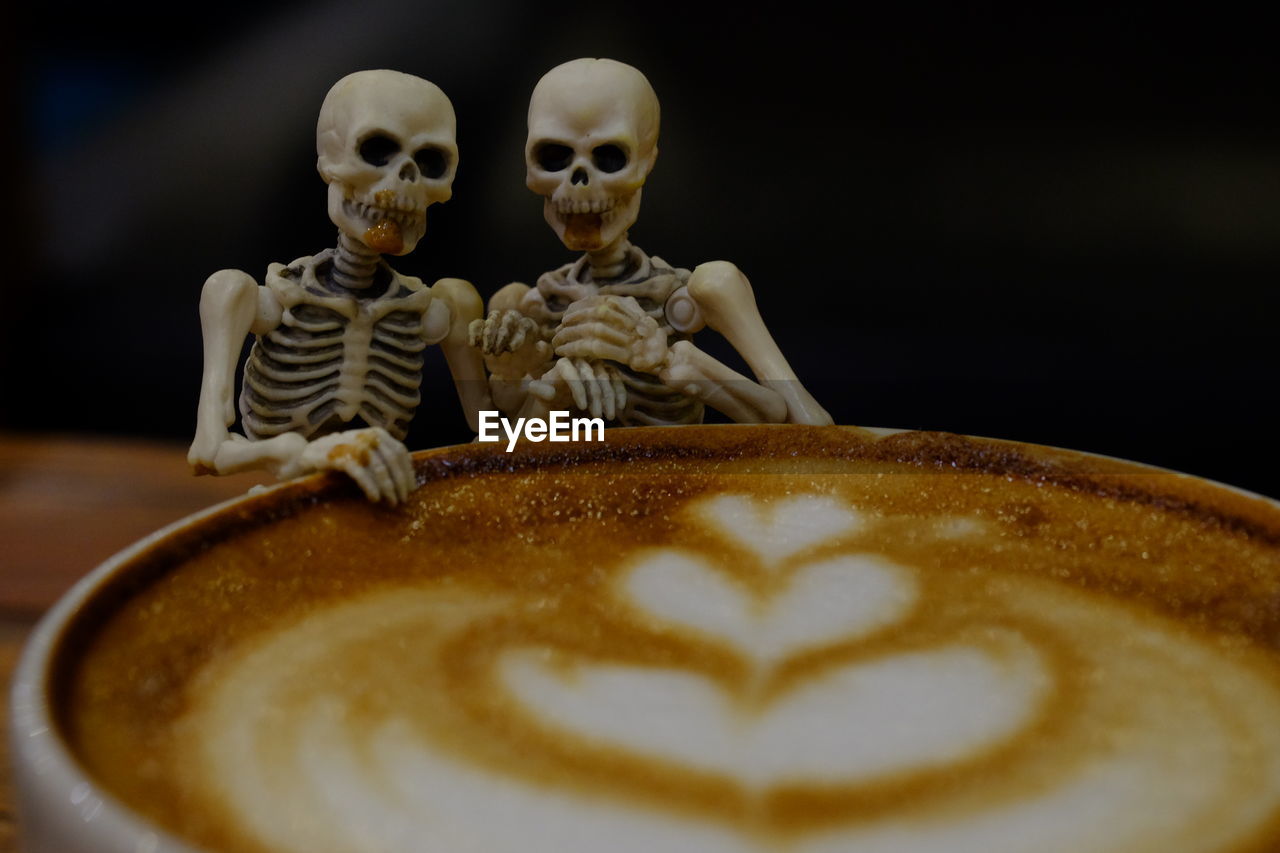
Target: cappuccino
[[704, 639]]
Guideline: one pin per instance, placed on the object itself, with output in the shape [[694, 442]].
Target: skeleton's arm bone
[[465, 362], [725, 300], [509, 395], [509, 297], [232, 306], [279, 455], [377, 462], [700, 376]]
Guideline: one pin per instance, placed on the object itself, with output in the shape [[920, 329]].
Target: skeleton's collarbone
[[304, 300]]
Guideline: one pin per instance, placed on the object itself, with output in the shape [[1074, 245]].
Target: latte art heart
[[849, 660], [785, 528], [834, 600], [895, 715]]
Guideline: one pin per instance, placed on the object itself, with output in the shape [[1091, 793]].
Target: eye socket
[[378, 149], [609, 157], [552, 156], [432, 162]]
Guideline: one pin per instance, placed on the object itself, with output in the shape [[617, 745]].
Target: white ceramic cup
[[60, 807]]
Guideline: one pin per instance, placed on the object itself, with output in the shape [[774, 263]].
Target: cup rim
[[44, 767], [40, 754]]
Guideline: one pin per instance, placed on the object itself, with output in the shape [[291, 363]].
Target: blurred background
[[1048, 225]]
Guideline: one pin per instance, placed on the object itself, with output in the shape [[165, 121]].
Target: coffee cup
[[717, 638]]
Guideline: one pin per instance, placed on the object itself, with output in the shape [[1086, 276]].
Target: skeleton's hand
[[501, 332], [512, 344], [594, 387], [378, 463], [611, 328]]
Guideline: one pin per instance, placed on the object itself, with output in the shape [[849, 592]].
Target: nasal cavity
[[579, 176], [409, 172]]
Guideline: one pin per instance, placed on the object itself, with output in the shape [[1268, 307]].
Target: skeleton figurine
[[610, 333], [332, 379]]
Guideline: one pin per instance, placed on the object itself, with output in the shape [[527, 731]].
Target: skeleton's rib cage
[[337, 355]]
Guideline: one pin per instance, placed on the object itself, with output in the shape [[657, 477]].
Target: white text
[[558, 426]]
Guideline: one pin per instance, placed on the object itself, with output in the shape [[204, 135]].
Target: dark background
[[1050, 225]]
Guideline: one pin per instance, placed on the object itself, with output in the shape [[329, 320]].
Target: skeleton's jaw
[[387, 223], [591, 224]]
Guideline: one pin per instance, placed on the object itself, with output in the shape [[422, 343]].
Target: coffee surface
[[706, 639]]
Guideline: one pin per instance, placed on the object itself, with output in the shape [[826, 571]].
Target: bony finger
[[607, 377], [410, 476], [619, 393], [592, 386], [571, 331], [574, 380], [400, 467], [601, 393], [579, 307], [504, 330], [564, 337], [395, 459], [609, 310], [593, 350], [622, 332], [377, 468], [518, 336], [646, 326], [586, 315], [542, 350], [596, 331], [353, 469], [606, 394], [497, 322], [631, 307], [542, 390], [379, 446], [475, 332]]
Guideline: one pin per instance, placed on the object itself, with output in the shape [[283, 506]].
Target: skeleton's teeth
[[374, 214], [599, 206]]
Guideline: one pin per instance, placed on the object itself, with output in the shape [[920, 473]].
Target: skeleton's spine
[[354, 263]]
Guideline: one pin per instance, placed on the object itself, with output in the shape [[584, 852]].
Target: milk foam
[[851, 725], [807, 695], [836, 599]]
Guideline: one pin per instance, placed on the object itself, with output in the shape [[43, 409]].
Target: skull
[[593, 139], [387, 150]]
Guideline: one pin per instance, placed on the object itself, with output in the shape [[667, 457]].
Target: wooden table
[[66, 504]]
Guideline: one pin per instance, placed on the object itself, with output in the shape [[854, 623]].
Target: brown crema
[[1111, 598]]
